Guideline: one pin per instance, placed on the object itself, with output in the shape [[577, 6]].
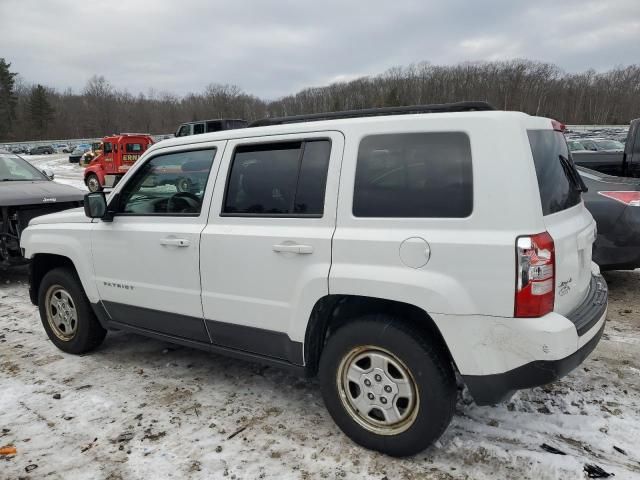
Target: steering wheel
[[191, 202]]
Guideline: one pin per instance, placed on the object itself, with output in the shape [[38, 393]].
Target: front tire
[[387, 385], [66, 313], [93, 183]]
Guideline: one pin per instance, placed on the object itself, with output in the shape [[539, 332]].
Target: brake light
[[558, 126], [628, 198], [535, 275]]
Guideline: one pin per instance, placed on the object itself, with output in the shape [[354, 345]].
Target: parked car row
[[31, 149], [78, 151], [609, 156], [40, 149], [594, 145], [20, 149]]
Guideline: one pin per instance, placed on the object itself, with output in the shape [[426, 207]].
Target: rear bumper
[[491, 389], [589, 322]]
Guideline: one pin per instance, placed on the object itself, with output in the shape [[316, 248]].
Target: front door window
[[170, 184]]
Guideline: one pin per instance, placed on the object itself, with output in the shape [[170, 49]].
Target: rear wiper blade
[[572, 174]]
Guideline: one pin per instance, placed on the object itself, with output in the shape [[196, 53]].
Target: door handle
[[293, 248], [175, 242]]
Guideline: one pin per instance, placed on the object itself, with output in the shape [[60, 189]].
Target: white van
[[385, 250]]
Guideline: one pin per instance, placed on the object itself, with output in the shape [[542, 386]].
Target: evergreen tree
[[40, 110], [8, 99]]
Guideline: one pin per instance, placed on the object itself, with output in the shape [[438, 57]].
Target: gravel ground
[[139, 409]]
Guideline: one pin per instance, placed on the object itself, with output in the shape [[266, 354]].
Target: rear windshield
[[557, 192]]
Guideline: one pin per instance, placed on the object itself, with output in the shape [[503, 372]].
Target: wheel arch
[[49, 246], [95, 170], [332, 311], [40, 265]]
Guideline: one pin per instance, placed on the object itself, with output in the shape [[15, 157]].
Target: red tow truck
[[118, 154]]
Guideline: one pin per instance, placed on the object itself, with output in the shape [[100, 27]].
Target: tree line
[[31, 112]]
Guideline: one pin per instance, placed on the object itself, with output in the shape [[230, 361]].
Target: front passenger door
[[146, 261]]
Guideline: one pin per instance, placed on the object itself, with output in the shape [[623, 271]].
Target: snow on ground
[[139, 408], [65, 172]]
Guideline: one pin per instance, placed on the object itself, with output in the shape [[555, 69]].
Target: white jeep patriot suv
[[385, 250]]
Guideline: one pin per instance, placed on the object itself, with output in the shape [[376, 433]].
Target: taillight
[[558, 126], [628, 198], [535, 275]]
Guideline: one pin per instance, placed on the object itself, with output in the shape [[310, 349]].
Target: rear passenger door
[[266, 251]]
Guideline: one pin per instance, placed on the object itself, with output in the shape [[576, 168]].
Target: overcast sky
[[272, 48]]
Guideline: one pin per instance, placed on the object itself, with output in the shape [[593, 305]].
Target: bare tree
[[533, 87]]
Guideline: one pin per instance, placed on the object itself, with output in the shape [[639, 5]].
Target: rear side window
[[414, 175], [556, 190], [214, 126], [198, 128], [133, 147], [278, 179]]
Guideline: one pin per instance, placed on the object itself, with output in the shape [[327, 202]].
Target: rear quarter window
[[556, 192], [414, 175]]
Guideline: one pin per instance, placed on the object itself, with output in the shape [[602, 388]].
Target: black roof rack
[[374, 112], [215, 120]]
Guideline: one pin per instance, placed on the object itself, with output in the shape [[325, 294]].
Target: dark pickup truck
[[625, 164]]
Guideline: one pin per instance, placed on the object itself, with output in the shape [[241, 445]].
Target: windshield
[[610, 145], [574, 145], [15, 169]]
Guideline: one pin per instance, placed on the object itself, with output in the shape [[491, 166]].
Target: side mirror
[[95, 205], [48, 173]]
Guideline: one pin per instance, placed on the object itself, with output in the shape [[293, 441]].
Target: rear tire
[[386, 385], [66, 313], [93, 183]]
